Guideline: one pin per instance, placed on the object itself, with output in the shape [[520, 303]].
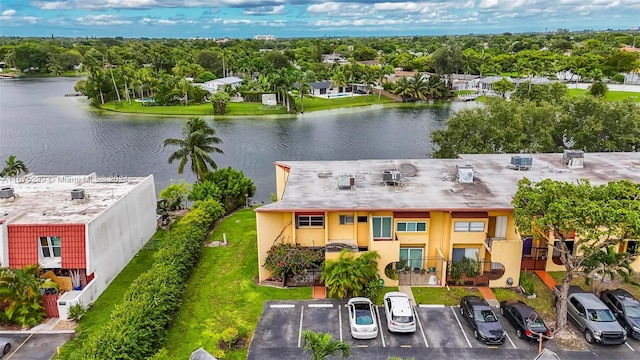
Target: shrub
[[76, 311], [526, 281], [138, 325], [230, 336], [284, 259], [20, 292]]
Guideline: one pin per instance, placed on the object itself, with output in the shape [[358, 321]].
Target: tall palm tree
[[14, 167], [198, 140], [322, 345]]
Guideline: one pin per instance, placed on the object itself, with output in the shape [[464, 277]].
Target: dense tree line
[[542, 120], [123, 68]]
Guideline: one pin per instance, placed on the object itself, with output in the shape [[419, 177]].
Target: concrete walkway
[[47, 327], [546, 279], [488, 295], [407, 290]]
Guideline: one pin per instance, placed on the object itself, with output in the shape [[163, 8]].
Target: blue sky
[[307, 18]]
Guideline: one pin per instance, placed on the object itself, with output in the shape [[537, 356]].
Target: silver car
[[5, 347], [399, 312], [362, 318]]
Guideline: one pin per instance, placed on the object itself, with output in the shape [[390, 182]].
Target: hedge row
[[138, 325]]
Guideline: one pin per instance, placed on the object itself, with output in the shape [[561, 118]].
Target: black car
[[524, 319], [626, 309], [482, 319]]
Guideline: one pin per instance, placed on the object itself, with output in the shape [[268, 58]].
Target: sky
[[307, 18]]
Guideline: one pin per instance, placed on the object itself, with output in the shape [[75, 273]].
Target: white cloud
[[265, 10], [103, 20], [8, 13]]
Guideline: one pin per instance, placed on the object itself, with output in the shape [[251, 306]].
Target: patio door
[[413, 257]]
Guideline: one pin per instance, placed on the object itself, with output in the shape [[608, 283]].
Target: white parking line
[[420, 325], [512, 344], [18, 348], [380, 327], [320, 305], [300, 331], [281, 306], [340, 321], [459, 324], [629, 346]]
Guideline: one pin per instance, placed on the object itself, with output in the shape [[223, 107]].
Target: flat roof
[[46, 199], [431, 184]]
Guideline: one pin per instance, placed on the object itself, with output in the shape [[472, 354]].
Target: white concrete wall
[[4, 245], [86, 296], [116, 235]]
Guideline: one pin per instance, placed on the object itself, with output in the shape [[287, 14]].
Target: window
[[346, 219], [468, 226], [382, 227], [411, 257], [556, 247], [411, 226], [363, 219], [461, 253], [310, 220], [50, 246], [632, 246]]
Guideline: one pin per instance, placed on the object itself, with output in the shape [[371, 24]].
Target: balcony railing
[[488, 241]]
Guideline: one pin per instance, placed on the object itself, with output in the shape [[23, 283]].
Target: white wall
[[116, 235], [4, 245]]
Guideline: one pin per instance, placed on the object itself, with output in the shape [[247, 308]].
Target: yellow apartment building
[[425, 215]]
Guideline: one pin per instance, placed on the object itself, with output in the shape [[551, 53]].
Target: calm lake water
[[54, 134]]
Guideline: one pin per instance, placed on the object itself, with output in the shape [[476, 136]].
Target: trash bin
[[381, 283], [432, 269]]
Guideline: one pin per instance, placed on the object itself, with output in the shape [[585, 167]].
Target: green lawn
[[312, 103], [100, 312], [233, 109], [384, 291], [609, 96], [440, 295], [543, 303], [221, 292]]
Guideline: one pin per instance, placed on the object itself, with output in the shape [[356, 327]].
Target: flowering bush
[[283, 259]]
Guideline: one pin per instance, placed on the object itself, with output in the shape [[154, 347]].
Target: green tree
[[322, 345], [13, 167], [607, 263], [598, 89], [219, 102], [503, 86], [599, 216], [196, 145], [175, 195], [349, 276], [20, 291], [228, 186]]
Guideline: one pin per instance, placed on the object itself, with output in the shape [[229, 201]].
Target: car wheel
[[588, 336], [519, 333], [475, 333], [461, 311], [501, 311], [6, 349]]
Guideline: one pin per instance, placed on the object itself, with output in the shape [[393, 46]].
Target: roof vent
[[346, 182], [77, 194], [521, 162], [465, 173], [573, 158], [6, 192], [391, 177]]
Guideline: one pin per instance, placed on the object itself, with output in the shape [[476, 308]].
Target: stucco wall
[[508, 253], [339, 231], [117, 234], [270, 225]]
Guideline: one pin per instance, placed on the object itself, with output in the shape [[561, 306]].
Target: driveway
[[35, 347], [441, 334]]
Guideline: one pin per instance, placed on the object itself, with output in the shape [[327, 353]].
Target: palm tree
[[403, 88], [322, 345], [14, 167], [339, 79], [197, 142], [19, 290]]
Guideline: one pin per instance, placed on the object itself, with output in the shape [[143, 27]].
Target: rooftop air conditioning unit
[[77, 194], [346, 181], [6, 192], [521, 162], [465, 173], [573, 158], [391, 177]]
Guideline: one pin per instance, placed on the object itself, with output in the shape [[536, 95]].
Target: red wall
[[24, 238]]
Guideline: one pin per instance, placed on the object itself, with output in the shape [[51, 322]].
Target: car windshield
[[363, 316], [485, 316], [633, 311], [402, 319], [600, 315]]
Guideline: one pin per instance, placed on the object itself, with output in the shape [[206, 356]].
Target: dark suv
[[482, 319], [626, 309]]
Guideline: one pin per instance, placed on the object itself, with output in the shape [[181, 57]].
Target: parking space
[[35, 347], [440, 330], [624, 351]]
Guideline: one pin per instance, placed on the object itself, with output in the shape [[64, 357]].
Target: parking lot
[[34, 346], [441, 333]]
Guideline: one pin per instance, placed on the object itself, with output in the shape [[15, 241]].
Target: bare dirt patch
[[66, 325], [570, 339]]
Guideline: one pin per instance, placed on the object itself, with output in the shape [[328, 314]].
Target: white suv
[[399, 312]]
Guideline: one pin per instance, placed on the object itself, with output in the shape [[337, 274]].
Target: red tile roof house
[[86, 225]]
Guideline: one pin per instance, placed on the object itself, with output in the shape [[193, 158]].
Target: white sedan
[[362, 318], [5, 346]]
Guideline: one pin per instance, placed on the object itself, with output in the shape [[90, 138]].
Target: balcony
[[335, 246]]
